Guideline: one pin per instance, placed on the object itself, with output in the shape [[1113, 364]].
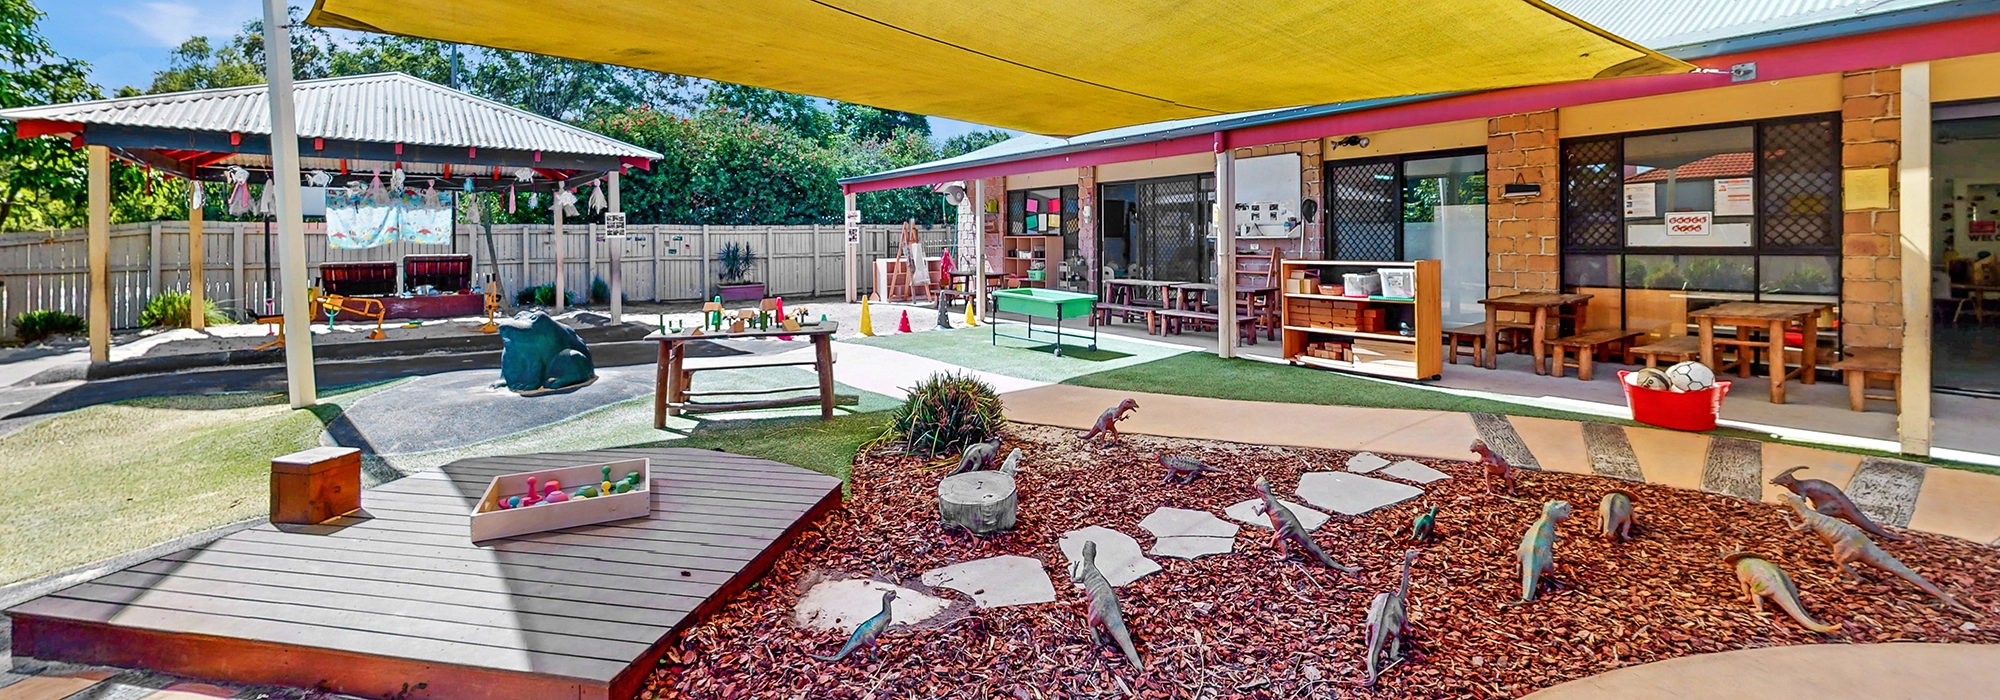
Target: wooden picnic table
[[670, 382], [1123, 291], [1538, 305], [1774, 318]]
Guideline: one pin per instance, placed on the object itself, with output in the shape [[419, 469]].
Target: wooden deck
[[365, 605]]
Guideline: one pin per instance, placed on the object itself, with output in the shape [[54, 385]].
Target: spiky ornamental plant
[[944, 414]]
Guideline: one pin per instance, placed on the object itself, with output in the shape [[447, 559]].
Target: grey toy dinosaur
[[1184, 469], [1285, 527], [1829, 499], [1849, 545], [1538, 550], [978, 455], [867, 634], [1762, 579], [1107, 422], [1389, 624], [1614, 516], [1103, 615], [1013, 464]]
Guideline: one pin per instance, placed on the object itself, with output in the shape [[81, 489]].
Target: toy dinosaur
[[1829, 499], [1849, 545], [1184, 469], [1285, 527], [1762, 579], [867, 634], [1496, 466], [1013, 464], [1538, 550], [977, 456], [1103, 615], [1423, 527], [1614, 516], [1107, 422], [1389, 624]]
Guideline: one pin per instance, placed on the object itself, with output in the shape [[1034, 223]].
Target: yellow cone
[[866, 329], [971, 319]]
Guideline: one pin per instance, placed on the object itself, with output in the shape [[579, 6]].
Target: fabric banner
[[355, 221]]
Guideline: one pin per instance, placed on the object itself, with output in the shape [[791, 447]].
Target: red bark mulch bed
[[1246, 624]]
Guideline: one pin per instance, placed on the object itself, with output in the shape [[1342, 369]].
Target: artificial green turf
[[827, 447], [974, 347]]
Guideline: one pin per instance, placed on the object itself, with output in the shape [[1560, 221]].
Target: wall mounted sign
[[1639, 201], [1735, 196], [1689, 223]]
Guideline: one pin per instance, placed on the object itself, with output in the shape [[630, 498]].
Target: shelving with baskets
[[1396, 337], [1027, 262]]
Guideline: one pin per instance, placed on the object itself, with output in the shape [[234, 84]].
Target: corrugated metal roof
[[378, 108], [1666, 24]]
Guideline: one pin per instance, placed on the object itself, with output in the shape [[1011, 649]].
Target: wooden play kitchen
[[1050, 304], [1363, 329]]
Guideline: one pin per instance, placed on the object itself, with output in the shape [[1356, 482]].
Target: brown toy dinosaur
[[1762, 579], [1107, 422], [1183, 469], [1389, 624], [1849, 545], [1285, 527], [1496, 466], [1538, 550], [1614, 516], [1829, 499]]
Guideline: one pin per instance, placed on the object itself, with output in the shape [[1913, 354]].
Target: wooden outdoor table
[[1121, 291], [1774, 318], [670, 383], [1978, 293], [1536, 304]]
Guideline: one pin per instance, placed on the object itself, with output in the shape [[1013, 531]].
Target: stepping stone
[[1411, 470], [1189, 534], [1192, 547], [1352, 494], [1244, 513], [997, 582], [1366, 462], [1886, 489], [1734, 467], [1118, 554], [845, 604]]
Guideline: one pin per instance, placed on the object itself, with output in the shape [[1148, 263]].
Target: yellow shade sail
[[1059, 68]]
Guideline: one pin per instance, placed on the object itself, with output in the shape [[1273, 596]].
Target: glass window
[[1704, 273], [1691, 189], [1814, 275], [1590, 270], [1444, 219]]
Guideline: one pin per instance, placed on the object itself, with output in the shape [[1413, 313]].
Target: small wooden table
[[1978, 293], [670, 382], [1536, 304], [1129, 291], [1774, 318]]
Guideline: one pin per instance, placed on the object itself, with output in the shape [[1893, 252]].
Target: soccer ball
[[1650, 378], [1690, 376]]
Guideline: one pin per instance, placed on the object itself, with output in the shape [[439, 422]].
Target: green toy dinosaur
[[1762, 579], [1849, 546], [1103, 615], [1389, 623], [1285, 527], [867, 634], [1423, 527], [1538, 550], [1614, 516]]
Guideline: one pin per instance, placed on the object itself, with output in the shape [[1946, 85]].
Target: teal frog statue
[[539, 355]]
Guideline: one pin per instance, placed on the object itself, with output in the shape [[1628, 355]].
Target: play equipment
[[904, 325], [1678, 410], [492, 308], [517, 504], [539, 355], [333, 305], [1690, 376], [1051, 304]]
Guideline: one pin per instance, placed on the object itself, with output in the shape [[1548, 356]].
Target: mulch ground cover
[[1247, 624]]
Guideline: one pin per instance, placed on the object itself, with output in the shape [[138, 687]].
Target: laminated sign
[[1689, 223]]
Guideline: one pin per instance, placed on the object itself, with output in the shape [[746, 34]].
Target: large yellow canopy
[[1057, 67]]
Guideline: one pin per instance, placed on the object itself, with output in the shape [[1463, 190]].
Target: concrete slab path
[[1811, 671]]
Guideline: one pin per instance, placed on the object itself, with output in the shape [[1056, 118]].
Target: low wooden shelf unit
[[1327, 330]]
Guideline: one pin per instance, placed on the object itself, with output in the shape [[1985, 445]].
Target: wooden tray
[[489, 521]]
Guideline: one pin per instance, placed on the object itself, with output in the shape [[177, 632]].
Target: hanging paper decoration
[[267, 203], [524, 175], [355, 220], [431, 195], [239, 190], [376, 194], [566, 201], [534, 200], [396, 180], [511, 197], [468, 184], [318, 178], [197, 195], [474, 212], [597, 203]]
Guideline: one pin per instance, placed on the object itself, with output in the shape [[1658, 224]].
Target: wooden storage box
[[315, 485], [1384, 351], [489, 521]]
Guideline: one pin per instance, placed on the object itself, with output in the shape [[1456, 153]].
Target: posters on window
[[1689, 223], [1735, 196], [1639, 201], [354, 220]]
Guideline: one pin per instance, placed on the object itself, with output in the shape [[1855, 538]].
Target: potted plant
[[736, 261]]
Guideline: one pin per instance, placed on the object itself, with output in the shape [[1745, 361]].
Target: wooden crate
[[1385, 352], [489, 521]]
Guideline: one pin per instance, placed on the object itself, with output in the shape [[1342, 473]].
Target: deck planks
[[399, 594]]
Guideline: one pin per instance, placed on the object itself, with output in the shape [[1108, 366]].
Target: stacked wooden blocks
[[1336, 315]]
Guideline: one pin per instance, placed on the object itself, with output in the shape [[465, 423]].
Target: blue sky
[[125, 41]]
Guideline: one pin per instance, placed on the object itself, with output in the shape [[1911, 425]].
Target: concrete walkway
[[1905, 494], [1806, 672]]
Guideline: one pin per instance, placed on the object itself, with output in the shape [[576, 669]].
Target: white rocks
[[1188, 534], [1118, 554], [1352, 494], [997, 582], [845, 604], [1366, 462], [1244, 513], [1411, 470]]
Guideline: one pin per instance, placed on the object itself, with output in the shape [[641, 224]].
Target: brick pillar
[[1086, 225], [1871, 309], [1522, 233], [1314, 238]]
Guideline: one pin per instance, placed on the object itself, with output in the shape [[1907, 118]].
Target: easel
[[915, 272]]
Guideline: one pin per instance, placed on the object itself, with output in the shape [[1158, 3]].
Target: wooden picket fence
[[50, 270]]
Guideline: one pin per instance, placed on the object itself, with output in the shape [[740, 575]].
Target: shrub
[[42, 323], [736, 260], [600, 293], [170, 310], [543, 295], [943, 415]]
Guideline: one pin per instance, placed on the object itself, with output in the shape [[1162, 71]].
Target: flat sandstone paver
[[1118, 554], [1557, 445], [1409, 470], [1961, 504], [1886, 489], [845, 604], [46, 688], [1366, 462], [1244, 512], [1189, 534], [1352, 494], [997, 582]]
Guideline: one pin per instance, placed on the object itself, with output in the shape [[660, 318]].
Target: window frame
[[1330, 191]]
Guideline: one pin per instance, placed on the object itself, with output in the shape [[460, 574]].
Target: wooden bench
[[1864, 364], [1511, 335], [1680, 348], [1104, 312], [1171, 320], [1587, 346]]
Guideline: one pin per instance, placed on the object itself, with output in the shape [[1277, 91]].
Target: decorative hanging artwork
[[511, 198], [239, 202], [197, 195], [524, 175], [368, 216], [318, 178], [597, 203], [565, 200], [377, 195], [267, 202]]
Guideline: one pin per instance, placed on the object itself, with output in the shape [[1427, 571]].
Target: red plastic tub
[[1693, 410]]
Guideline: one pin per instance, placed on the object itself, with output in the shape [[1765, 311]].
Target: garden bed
[[1245, 624]]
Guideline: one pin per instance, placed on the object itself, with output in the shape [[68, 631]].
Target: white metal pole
[[979, 247], [1913, 424], [851, 224], [560, 187], [1225, 248], [290, 222], [617, 245]]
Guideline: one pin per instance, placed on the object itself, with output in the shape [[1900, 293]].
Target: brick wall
[[1871, 307], [1522, 251], [1312, 243]]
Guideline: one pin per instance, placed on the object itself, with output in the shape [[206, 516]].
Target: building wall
[[1522, 252], [1871, 268]]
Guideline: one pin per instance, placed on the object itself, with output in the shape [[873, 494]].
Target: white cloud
[[169, 23]]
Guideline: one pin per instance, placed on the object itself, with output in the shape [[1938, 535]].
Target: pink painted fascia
[[1965, 37]]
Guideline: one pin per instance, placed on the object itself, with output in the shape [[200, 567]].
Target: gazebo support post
[[617, 245], [1225, 247], [197, 296], [291, 225], [848, 209], [979, 248], [557, 208], [100, 253]]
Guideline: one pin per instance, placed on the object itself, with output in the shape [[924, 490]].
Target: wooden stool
[[1680, 348], [1587, 345], [1511, 335], [1864, 364], [316, 485]]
